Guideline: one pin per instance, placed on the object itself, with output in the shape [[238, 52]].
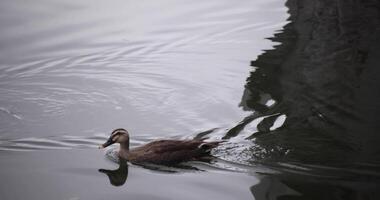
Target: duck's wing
[[172, 151], [173, 146], [162, 146], [151, 145]]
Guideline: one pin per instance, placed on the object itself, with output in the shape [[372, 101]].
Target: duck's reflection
[[118, 176]]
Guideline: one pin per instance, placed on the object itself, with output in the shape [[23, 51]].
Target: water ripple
[[11, 113], [62, 142]]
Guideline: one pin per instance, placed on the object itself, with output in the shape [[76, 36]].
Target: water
[[71, 72]]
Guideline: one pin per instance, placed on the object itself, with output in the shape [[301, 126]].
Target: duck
[[161, 152]]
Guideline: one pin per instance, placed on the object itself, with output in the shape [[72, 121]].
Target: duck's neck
[[124, 148]]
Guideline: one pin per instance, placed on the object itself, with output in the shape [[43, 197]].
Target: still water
[[71, 71]]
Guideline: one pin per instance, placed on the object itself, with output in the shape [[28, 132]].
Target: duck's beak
[[106, 144]]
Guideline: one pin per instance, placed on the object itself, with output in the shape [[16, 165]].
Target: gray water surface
[[71, 71]]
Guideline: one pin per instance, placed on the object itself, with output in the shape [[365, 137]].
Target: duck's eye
[[115, 138]]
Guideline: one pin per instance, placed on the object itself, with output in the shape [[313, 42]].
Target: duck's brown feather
[[171, 151]]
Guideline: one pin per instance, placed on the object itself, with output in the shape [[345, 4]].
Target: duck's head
[[119, 135]]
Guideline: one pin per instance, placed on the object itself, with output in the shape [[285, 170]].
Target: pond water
[[72, 71]]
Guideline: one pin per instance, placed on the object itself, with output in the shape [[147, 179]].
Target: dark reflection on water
[[321, 77], [117, 176], [313, 77], [298, 188]]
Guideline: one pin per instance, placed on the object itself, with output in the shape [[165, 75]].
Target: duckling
[[161, 152]]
